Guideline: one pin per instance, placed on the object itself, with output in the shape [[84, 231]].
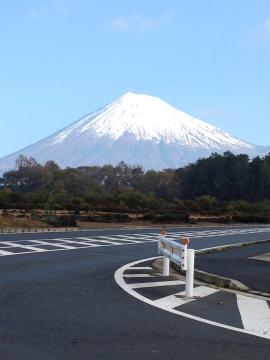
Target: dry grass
[[117, 225], [21, 219], [20, 223]]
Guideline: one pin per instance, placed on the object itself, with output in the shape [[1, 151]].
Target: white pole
[[184, 258], [166, 266], [190, 273]]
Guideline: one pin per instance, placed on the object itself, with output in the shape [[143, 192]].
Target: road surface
[[59, 300]]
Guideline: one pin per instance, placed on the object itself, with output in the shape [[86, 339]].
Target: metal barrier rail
[[180, 255]]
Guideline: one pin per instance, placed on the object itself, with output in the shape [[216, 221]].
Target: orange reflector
[[185, 241]]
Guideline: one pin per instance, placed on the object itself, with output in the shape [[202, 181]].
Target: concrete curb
[[37, 230], [221, 281], [205, 277], [230, 246]]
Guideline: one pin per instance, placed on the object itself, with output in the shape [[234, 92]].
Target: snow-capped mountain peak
[[149, 118], [137, 129]]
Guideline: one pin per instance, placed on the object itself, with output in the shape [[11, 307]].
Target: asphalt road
[[66, 305], [237, 264]]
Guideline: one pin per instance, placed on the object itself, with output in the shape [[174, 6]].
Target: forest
[[228, 187]]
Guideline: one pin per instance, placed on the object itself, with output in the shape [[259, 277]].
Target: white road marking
[[3, 252], [53, 244], [255, 314], [136, 236], [148, 237], [131, 240], [138, 276], [261, 257], [130, 289], [223, 232], [90, 241], [27, 247], [75, 242], [155, 284], [86, 244], [141, 268], [115, 239], [128, 239], [173, 301]]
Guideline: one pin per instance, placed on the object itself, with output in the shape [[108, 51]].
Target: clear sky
[[61, 59]]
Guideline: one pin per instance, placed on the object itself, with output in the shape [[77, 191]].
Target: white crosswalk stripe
[[135, 236], [57, 244], [74, 242], [4, 253], [100, 240], [26, 247]]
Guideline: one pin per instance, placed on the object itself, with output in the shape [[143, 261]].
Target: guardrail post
[[166, 266], [190, 273]]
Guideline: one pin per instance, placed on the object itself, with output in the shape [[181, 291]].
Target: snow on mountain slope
[[138, 129], [149, 118]]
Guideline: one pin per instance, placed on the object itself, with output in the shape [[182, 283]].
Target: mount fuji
[[139, 130]]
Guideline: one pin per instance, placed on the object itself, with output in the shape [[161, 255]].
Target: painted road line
[[261, 257], [192, 234], [30, 240], [60, 245], [261, 331], [131, 240], [138, 275], [150, 234], [113, 240], [141, 268], [219, 232], [255, 314], [217, 235], [147, 236], [88, 244], [110, 238], [173, 236], [179, 299], [90, 241], [154, 284], [172, 301], [3, 252], [27, 247], [136, 236], [85, 244]]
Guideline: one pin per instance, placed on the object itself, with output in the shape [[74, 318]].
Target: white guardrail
[[180, 255]]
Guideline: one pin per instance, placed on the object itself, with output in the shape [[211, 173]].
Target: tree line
[[217, 185]]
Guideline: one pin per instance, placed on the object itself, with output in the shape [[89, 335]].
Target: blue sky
[[61, 59]]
